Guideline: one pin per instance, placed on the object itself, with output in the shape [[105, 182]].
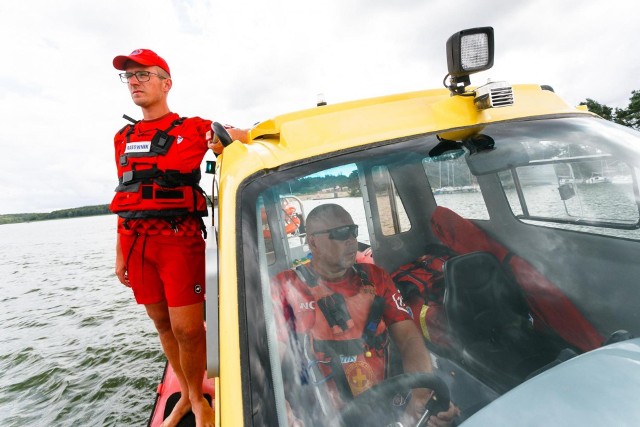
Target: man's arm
[[236, 134], [121, 266], [416, 358], [414, 354]]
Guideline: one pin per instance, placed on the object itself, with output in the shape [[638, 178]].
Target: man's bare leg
[[159, 313], [188, 327]]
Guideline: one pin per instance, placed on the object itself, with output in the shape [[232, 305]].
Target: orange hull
[[170, 387]]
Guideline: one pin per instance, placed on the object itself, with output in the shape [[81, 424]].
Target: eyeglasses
[[141, 76], [340, 233]]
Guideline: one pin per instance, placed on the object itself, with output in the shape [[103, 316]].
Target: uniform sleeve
[[204, 130], [282, 312], [395, 309], [192, 142]]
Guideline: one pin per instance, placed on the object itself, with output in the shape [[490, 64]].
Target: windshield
[[551, 209]]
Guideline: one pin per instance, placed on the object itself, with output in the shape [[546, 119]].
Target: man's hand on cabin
[[236, 134], [213, 142]]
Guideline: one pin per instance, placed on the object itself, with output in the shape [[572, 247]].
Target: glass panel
[[285, 207], [578, 185], [509, 188], [551, 193], [454, 186], [561, 170], [266, 233], [393, 217]]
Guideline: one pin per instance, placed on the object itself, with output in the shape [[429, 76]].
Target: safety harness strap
[[334, 309], [352, 347], [160, 143], [169, 178], [373, 320], [306, 276]]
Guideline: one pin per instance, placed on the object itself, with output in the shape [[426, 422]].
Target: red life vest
[[159, 168], [421, 284], [349, 338]]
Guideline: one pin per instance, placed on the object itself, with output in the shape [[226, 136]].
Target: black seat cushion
[[489, 316]]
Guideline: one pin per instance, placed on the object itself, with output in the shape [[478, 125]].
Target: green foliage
[[63, 213], [354, 184], [629, 116], [316, 184], [600, 109], [311, 185]]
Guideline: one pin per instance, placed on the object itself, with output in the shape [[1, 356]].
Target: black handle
[[222, 133]]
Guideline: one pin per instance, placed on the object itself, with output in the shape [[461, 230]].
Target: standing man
[[160, 247], [331, 299]]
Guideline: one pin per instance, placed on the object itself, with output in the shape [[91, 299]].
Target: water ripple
[[75, 349]]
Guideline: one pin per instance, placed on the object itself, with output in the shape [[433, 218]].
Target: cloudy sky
[[241, 61]]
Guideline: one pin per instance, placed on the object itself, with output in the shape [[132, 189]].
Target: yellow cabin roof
[[320, 130]]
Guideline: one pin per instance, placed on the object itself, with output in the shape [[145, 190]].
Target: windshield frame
[[261, 406]]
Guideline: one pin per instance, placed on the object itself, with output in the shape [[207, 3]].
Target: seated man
[[342, 314]]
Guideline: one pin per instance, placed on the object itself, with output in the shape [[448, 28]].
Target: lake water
[[75, 348]]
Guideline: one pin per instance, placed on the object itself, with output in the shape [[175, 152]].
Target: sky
[[240, 62]]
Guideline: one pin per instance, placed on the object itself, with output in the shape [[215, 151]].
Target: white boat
[[596, 178]]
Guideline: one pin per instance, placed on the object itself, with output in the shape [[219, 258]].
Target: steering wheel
[[374, 402], [222, 133]]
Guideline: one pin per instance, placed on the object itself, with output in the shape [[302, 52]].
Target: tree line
[[62, 213], [315, 184], [629, 116]]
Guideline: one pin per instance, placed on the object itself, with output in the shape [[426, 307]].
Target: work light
[[468, 52]]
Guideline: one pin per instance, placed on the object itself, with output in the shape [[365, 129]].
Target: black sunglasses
[[340, 233]]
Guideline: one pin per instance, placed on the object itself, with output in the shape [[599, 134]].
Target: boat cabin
[[530, 312]]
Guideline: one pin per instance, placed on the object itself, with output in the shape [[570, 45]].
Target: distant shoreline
[[104, 209], [59, 214]]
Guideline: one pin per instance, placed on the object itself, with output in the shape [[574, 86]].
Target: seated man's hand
[[443, 419], [292, 419], [416, 408]]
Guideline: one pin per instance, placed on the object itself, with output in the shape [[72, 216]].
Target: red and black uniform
[[159, 198], [346, 321], [158, 165]]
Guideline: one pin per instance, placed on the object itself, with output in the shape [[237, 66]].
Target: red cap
[[144, 57]]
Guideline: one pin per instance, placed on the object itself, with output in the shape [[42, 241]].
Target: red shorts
[[165, 268]]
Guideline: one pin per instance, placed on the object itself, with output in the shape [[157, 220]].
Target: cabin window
[[391, 211], [392, 190], [454, 186], [263, 226], [283, 208], [575, 186], [279, 211]]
